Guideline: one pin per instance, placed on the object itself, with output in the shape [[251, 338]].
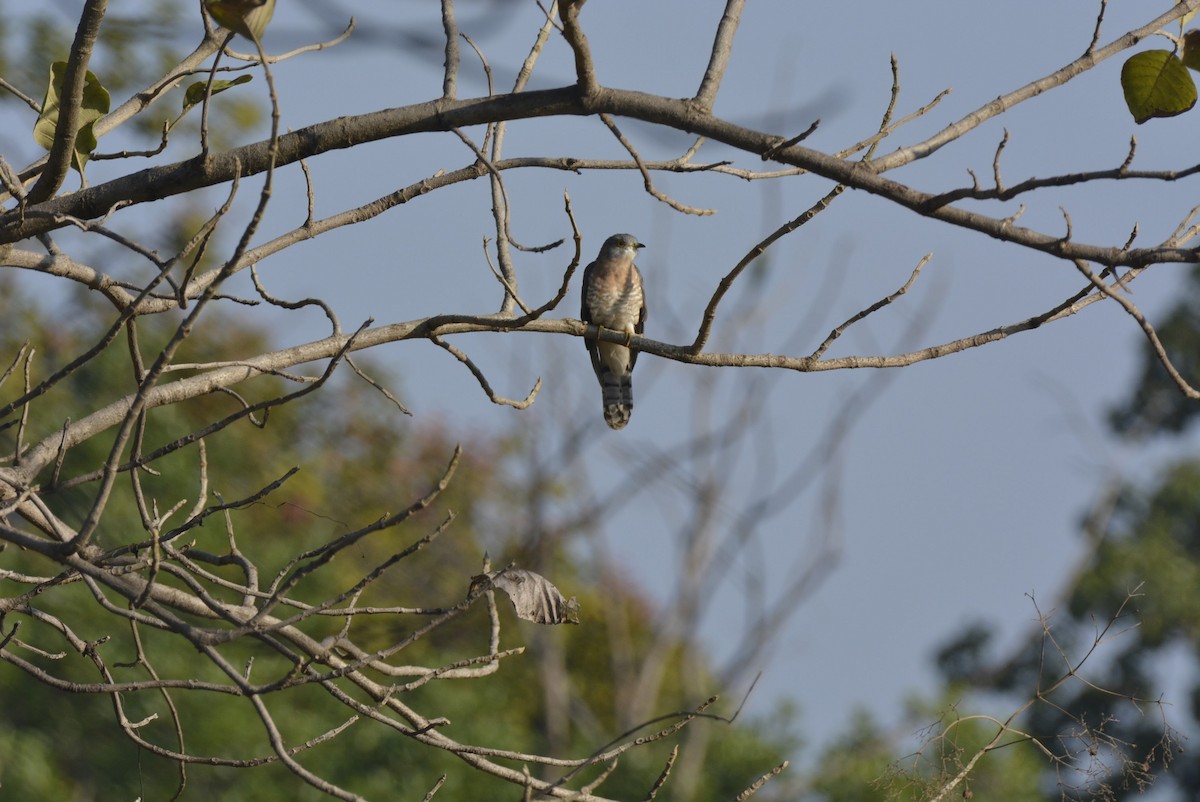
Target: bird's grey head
[[621, 245]]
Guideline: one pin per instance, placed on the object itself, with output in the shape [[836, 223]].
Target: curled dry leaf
[[534, 597]]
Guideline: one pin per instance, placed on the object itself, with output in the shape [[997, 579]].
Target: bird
[[613, 299]]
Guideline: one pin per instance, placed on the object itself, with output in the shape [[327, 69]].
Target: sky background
[[960, 486]]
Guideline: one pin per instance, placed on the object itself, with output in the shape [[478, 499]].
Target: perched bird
[[613, 299]]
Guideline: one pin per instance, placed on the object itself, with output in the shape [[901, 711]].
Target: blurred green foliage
[[138, 43]]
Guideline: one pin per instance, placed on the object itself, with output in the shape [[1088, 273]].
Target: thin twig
[[875, 307], [1156, 344], [710, 312], [462, 357], [646, 179]]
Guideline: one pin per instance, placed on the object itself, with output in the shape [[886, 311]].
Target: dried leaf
[[534, 597]]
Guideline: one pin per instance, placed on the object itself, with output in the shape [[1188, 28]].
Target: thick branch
[[443, 115], [585, 68], [450, 25], [722, 49]]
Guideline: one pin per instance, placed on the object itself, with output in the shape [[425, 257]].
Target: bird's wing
[[640, 326], [585, 314]]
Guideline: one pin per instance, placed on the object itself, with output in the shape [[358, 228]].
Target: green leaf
[[195, 93], [247, 17], [1157, 84], [94, 106]]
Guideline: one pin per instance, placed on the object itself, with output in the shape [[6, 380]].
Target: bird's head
[[621, 245]]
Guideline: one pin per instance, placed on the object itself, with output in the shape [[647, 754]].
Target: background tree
[[1125, 618], [129, 547], [1140, 570]]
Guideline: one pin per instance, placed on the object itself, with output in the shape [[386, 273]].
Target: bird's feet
[[629, 332]]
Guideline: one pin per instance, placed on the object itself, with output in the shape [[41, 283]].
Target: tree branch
[[156, 183], [1031, 90], [70, 103], [722, 49]]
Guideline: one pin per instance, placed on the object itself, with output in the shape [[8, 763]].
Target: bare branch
[[462, 357], [875, 307], [1003, 103], [1156, 344], [710, 312], [450, 81], [447, 115], [760, 782], [311, 48], [722, 49], [649, 183], [1099, 22], [585, 69]]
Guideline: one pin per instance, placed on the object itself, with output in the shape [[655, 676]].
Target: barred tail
[[617, 396]]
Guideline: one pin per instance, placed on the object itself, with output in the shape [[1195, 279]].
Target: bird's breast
[[615, 307]]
